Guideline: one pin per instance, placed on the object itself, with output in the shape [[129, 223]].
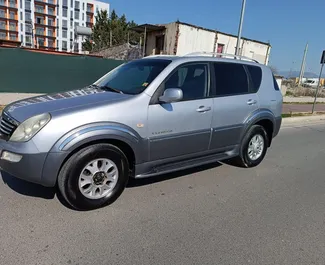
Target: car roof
[[205, 57]]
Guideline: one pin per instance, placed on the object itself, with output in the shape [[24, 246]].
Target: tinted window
[[134, 77], [256, 77], [192, 79], [230, 78]]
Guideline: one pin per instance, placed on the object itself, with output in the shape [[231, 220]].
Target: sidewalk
[[302, 100]]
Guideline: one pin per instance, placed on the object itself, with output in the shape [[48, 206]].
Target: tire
[[244, 159], [72, 185]]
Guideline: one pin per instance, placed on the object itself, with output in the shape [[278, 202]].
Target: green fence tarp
[[23, 71]]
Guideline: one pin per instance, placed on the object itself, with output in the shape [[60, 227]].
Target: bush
[[305, 92]]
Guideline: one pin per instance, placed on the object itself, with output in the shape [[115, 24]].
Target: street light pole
[[240, 26]]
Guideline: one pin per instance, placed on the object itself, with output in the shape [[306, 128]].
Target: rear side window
[[230, 79], [275, 83], [256, 77]]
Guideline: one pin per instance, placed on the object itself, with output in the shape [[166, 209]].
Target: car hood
[[26, 108]]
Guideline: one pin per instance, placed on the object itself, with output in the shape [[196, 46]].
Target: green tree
[[107, 26]]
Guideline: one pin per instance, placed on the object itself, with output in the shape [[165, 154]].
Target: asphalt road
[[273, 214], [287, 108]]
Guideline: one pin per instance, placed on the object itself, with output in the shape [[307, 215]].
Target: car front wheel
[[94, 177]]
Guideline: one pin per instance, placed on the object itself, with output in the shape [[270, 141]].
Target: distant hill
[[288, 74]]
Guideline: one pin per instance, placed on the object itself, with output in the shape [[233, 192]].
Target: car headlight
[[26, 130]]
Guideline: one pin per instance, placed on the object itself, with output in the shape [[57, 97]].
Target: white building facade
[[180, 38], [48, 24]]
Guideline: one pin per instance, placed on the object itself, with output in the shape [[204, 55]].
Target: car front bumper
[[29, 167]]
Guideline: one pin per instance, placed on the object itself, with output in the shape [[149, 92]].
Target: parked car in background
[[144, 118], [313, 83]]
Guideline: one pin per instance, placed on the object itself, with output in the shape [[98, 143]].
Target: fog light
[[11, 157]]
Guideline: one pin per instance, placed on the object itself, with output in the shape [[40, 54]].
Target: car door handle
[[203, 109], [251, 102]]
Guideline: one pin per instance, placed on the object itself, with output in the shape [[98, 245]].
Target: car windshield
[[133, 77]]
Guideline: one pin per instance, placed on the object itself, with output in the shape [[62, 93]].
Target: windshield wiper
[[111, 89]]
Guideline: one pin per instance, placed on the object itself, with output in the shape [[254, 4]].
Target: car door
[[182, 128], [235, 98]]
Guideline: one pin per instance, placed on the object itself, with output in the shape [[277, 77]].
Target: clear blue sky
[[287, 24]]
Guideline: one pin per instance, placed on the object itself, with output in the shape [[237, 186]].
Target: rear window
[[275, 83], [255, 77]]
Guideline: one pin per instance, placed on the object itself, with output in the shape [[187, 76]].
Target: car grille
[[7, 126]]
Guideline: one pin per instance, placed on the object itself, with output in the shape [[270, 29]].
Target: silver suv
[[144, 118]]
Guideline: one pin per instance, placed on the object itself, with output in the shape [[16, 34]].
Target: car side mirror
[[171, 95]]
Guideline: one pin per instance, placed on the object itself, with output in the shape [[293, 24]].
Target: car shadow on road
[[160, 178], [26, 188]]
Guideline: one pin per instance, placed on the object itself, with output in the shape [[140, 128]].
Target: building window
[[40, 20], [71, 3], [89, 9], [83, 6], [28, 16], [76, 24], [64, 34], [2, 3], [71, 36], [21, 5], [71, 23], [39, 31], [27, 5], [50, 43], [50, 32], [88, 19], [12, 15], [71, 14], [39, 9], [64, 45], [3, 35], [76, 47], [21, 38], [51, 2], [76, 14], [2, 24], [2, 13], [64, 23], [51, 11], [21, 27], [65, 12], [21, 15], [13, 37], [83, 16], [65, 2], [12, 26], [77, 5], [41, 42], [28, 39], [57, 44], [12, 3], [28, 28], [50, 21]]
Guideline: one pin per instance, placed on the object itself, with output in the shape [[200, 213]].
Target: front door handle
[[203, 109], [251, 102]]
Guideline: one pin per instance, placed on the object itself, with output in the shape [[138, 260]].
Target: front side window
[[134, 77], [230, 79], [192, 79]]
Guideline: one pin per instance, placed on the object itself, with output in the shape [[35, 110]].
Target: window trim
[[159, 91], [214, 84]]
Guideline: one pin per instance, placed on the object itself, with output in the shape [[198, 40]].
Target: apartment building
[[48, 24]]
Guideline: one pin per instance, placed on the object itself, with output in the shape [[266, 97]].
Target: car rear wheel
[[253, 148], [94, 177]]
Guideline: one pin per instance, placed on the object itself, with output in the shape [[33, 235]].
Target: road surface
[[272, 214], [287, 108]]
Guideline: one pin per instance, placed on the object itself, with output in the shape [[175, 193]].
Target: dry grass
[[305, 92]]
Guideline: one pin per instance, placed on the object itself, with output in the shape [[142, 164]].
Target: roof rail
[[224, 55], [159, 55]]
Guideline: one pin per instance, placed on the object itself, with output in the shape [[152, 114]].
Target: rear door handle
[[203, 109], [251, 102]]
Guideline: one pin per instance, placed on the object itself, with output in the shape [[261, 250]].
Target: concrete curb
[[303, 120]]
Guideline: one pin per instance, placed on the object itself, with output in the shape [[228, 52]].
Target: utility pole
[[110, 38], [322, 61], [240, 26], [303, 64]]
